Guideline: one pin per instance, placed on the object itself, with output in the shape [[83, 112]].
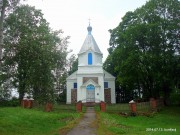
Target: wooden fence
[[124, 107]]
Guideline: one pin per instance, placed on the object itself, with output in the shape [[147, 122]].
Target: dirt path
[[86, 125]]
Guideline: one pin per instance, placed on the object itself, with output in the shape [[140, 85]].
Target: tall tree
[[5, 7], [144, 49], [33, 53]]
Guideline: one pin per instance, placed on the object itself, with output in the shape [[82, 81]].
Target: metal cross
[[89, 21]]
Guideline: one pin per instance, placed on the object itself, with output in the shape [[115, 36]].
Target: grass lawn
[[20, 121], [114, 123]]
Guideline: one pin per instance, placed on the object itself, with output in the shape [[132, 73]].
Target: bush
[[9, 103], [61, 98], [175, 97]]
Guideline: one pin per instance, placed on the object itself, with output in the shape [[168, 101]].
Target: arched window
[[89, 58], [90, 87]]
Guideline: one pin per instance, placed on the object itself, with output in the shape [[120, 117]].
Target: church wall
[[83, 96], [111, 84], [81, 59], [98, 59], [101, 83], [97, 94], [68, 92], [79, 84], [89, 70], [99, 91]]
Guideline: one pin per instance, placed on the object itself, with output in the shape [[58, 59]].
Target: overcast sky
[[72, 17]]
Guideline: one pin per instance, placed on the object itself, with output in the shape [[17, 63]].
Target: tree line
[[144, 52]]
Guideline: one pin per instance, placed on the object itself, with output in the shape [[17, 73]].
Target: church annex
[[90, 83]]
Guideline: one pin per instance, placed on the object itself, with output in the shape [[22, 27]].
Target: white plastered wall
[[69, 86], [101, 91], [83, 95], [79, 91], [97, 94], [96, 58], [112, 86]]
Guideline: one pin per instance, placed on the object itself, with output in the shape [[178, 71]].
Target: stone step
[[89, 104]]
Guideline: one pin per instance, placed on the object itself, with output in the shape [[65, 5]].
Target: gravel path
[[86, 125]]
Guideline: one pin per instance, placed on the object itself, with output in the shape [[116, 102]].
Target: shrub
[[175, 97], [9, 103]]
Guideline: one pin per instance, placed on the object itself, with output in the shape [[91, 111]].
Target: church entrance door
[[90, 93]]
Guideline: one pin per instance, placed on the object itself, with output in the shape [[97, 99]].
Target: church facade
[[90, 83]]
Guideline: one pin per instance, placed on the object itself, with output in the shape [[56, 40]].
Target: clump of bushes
[[9, 103]]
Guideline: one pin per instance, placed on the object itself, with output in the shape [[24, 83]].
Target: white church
[[90, 83]]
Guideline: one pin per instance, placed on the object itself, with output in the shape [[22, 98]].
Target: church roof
[[108, 75], [73, 76], [89, 43]]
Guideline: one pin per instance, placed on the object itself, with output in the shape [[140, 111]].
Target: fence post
[[30, 103], [132, 105], [24, 103], [103, 106], [79, 106], [153, 104], [161, 102], [48, 107]]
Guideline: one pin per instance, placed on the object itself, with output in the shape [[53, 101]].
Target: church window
[[89, 58], [90, 87], [75, 85], [105, 84]]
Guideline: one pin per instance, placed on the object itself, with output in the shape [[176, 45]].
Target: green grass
[[20, 121], [168, 117]]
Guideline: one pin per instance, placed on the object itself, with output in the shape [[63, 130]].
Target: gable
[[108, 75], [90, 81], [73, 76], [95, 79]]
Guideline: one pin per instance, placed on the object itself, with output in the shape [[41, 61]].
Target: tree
[[73, 64], [5, 7], [33, 53], [144, 49]]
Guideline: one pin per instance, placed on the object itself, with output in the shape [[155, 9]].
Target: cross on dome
[[89, 21]]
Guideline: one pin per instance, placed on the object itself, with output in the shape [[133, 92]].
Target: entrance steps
[[90, 104]]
